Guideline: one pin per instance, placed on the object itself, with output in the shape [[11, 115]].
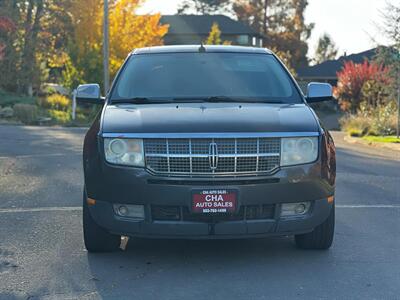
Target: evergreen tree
[[256, 13], [326, 49], [282, 24]]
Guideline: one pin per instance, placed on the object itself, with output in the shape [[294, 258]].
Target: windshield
[[173, 76]]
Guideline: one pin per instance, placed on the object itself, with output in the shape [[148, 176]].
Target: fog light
[[123, 210], [295, 209], [129, 211]]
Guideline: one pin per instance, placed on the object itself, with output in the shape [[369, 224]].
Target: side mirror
[[317, 92], [89, 93]]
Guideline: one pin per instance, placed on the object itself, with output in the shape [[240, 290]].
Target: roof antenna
[[202, 49]]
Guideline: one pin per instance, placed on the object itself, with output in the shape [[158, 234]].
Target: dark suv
[[207, 142]]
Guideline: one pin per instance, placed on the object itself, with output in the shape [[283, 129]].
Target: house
[[327, 71], [194, 29]]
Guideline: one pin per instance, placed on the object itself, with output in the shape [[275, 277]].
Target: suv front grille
[[218, 156]]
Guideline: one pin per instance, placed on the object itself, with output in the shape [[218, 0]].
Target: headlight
[[295, 151], [124, 151]]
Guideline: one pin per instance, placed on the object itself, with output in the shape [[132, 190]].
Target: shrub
[[356, 125], [59, 116], [6, 112], [355, 133], [351, 80], [378, 121], [10, 99], [56, 102], [26, 113], [384, 120]]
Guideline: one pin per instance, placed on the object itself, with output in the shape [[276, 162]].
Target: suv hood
[[208, 117]]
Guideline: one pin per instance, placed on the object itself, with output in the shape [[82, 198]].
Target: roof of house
[[201, 24], [195, 48], [329, 68]]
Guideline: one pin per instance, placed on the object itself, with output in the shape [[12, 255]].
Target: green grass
[[381, 139], [9, 99]]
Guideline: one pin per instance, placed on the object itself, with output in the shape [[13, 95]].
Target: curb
[[376, 145]]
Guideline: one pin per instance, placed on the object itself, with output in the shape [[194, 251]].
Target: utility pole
[[106, 48], [398, 110], [397, 66]]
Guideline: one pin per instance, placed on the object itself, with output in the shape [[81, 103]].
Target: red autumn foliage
[[6, 26], [352, 78]]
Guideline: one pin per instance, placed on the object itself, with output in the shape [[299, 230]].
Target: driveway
[[42, 255]]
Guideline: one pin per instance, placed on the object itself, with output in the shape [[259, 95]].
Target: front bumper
[[103, 214], [136, 186]]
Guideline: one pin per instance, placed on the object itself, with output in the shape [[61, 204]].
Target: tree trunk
[[23, 71], [265, 27], [31, 33], [265, 23]]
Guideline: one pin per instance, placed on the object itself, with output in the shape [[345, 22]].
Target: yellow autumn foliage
[[87, 19], [214, 38], [129, 30]]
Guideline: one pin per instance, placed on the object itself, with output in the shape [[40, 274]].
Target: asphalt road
[[42, 255]]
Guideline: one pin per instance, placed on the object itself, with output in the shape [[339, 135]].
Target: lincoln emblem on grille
[[213, 156]]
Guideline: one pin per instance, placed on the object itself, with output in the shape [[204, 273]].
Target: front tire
[[95, 237], [321, 237]]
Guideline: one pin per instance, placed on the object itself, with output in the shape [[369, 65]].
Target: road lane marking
[[369, 206], [39, 209], [40, 155], [79, 208]]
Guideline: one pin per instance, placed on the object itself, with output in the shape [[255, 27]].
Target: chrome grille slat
[[168, 161], [212, 170], [190, 156], [235, 167], [204, 155], [258, 154]]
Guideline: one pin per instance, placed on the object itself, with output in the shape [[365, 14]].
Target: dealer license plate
[[214, 201]]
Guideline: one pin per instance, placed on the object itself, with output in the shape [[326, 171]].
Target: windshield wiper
[[241, 99], [216, 99], [206, 99], [141, 100], [235, 99], [144, 100], [228, 99]]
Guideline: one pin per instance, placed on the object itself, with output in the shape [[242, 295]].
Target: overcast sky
[[351, 23]]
